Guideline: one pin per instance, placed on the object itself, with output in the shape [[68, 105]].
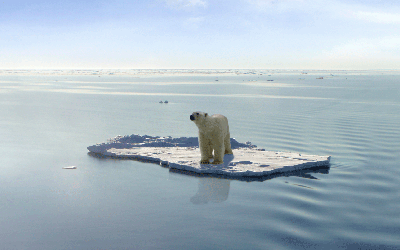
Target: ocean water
[[47, 121]]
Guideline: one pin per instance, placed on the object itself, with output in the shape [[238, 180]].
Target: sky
[[200, 34]]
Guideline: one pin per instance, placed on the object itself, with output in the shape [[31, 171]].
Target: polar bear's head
[[198, 117]]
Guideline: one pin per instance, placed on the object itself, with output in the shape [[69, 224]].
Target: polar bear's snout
[[192, 117]]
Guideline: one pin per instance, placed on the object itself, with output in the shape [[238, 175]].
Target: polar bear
[[213, 135]]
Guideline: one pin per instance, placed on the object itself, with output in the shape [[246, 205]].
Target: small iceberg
[[184, 154], [70, 167]]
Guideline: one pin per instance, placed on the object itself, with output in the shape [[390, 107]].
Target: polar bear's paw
[[217, 162], [228, 152], [205, 162]]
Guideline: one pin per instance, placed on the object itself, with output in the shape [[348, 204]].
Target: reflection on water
[[211, 190], [214, 188]]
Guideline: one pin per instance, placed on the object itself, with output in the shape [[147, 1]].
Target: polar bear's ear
[[206, 115]]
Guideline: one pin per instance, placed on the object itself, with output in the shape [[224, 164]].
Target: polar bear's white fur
[[213, 136]]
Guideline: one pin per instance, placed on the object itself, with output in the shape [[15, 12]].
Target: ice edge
[[134, 142]]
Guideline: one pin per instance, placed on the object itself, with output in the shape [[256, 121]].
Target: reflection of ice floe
[[184, 154]]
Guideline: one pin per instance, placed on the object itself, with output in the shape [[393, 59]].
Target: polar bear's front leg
[[205, 150], [219, 151]]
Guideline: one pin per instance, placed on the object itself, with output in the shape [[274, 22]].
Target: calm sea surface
[[46, 123]]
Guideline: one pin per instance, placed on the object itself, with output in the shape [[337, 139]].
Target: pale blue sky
[[203, 34]]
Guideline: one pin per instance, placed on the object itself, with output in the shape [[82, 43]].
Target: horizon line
[[177, 69]]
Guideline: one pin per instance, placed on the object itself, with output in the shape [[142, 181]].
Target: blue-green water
[[48, 121]]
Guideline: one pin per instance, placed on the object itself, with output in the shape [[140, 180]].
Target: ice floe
[[184, 154]]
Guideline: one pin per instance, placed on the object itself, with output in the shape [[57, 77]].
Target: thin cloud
[[366, 53], [267, 4], [332, 9], [193, 22], [377, 17], [186, 3]]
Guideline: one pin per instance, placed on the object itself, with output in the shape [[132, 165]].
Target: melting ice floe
[[184, 154]]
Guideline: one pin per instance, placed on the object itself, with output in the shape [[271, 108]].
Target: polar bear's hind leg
[[227, 142]]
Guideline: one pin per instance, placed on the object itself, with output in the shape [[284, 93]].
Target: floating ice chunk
[[184, 154], [70, 167]]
